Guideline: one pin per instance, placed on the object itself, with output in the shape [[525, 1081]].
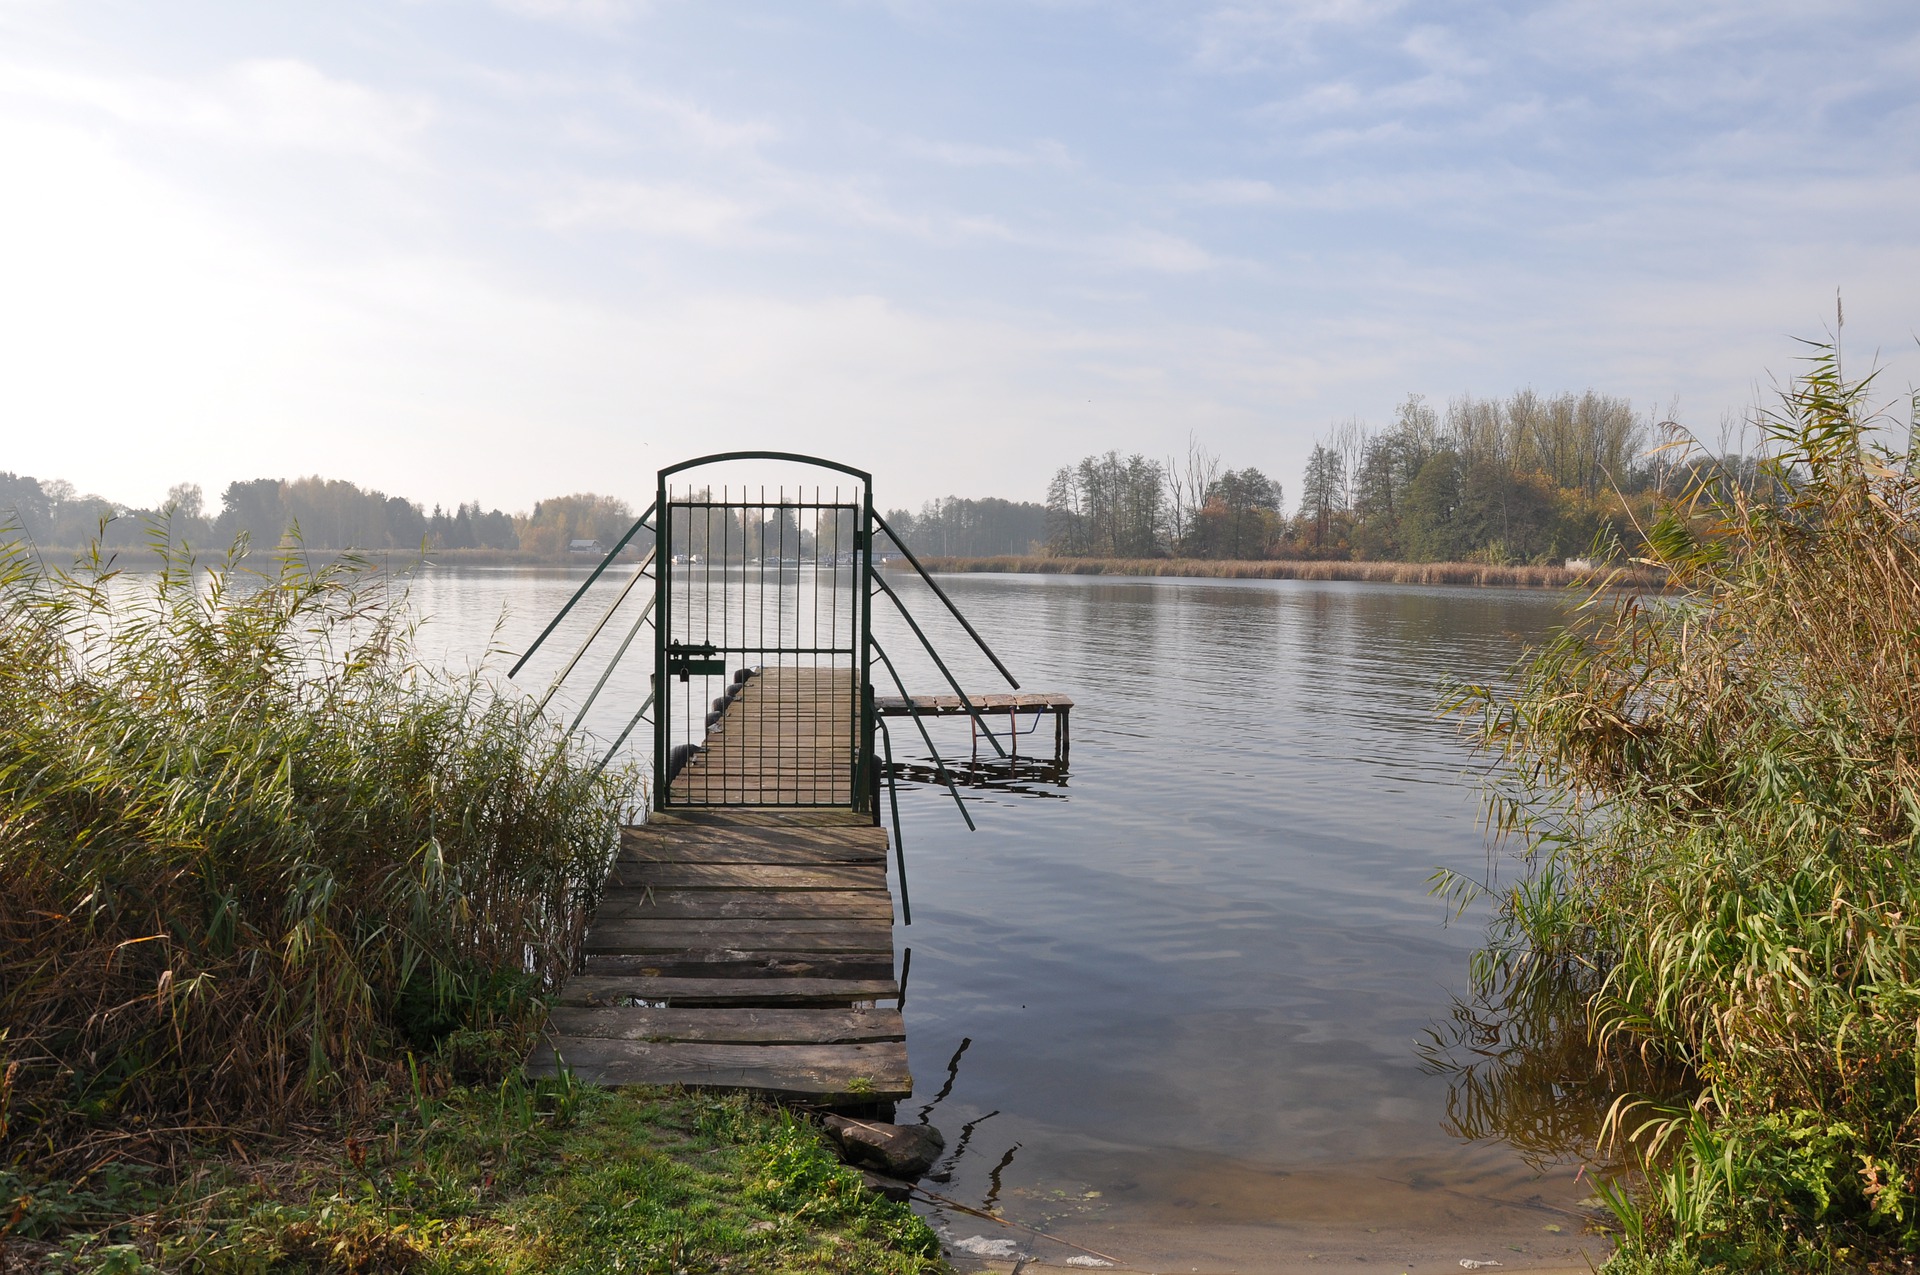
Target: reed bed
[[254, 853], [1718, 800], [1464, 573]]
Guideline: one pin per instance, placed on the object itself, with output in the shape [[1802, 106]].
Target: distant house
[[584, 546]]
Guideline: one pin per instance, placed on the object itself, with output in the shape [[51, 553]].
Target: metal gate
[[762, 604]]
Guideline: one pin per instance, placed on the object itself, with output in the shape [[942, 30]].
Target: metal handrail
[[638, 575], [942, 595], [646, 613], [913, 711], [633, 722], [580, 592], [940, 664]]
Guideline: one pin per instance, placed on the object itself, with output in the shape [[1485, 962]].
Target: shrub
[[1720, 793], [252, 849]]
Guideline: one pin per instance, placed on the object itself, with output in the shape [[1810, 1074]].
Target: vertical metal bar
[[663, 625], [899, 842], [760, 703], [863, 762], [706, 575]]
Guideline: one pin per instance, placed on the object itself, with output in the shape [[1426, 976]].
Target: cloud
[[671, 210], [1155, 251], [1234, 192], [695, 125], [1250, 34], [595, 15], [972, 155], [277, 103]]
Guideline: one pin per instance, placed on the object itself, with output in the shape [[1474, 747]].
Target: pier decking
[[745, 945], [787, 738]]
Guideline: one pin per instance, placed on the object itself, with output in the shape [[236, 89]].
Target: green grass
[[1718, 796], [506, 1177]]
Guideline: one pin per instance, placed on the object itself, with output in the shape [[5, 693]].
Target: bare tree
[[1188, 482]]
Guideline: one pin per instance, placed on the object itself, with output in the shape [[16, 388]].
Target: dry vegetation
[[1719, 796], [1475, 573], [253, 853]]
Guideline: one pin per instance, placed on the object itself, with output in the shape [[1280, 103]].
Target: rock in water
[[890, 1188], [897, 1150]]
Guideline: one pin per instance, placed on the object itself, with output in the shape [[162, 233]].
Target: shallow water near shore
[[1189, 998]]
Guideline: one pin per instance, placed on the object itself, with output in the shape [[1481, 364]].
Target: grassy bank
[[496, 1179], [1719, 802], [1469, 573]]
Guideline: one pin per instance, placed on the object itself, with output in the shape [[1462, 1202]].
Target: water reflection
[[1012, 776], [1521, 1067]]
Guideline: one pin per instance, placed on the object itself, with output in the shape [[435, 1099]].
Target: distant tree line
[[1528, 478], [957, 528], [322, 513]]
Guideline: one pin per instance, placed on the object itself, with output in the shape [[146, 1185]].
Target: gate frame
[[864, 773]]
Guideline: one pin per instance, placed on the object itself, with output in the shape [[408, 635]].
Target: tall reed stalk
[[252, 850], [1719, 795]]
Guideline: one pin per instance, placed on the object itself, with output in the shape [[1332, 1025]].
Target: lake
[[1171, 1010]]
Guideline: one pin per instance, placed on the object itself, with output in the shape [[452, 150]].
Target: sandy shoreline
[[1197, 1214]]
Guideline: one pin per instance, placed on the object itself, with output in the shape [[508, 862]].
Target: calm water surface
[[1186, 989]]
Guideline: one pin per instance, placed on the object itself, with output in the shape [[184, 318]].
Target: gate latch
[[686, 660]]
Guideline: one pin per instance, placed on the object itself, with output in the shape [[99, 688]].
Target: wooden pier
[[744, 938], [1038, 703], [745, 945]]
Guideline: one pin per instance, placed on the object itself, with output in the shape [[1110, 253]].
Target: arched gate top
[[719, 457]]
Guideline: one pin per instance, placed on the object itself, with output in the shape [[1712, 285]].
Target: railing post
[[866, 773], [662, 626]]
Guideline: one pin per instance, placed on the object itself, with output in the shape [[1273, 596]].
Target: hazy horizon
[[503, 251]]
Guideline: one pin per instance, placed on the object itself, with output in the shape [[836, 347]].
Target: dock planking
[[744, 944]]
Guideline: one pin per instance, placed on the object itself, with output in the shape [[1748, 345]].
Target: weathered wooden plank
[[696, 931], [693, 904], [716, 904], [646, 936], [730, 1026], [720, 963], [752, 817], [836, 1073], [607, 989], [952, 706], [765, 876], [796, 854]]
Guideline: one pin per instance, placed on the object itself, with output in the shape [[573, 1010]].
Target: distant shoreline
[[1482, 574], [140, 555]]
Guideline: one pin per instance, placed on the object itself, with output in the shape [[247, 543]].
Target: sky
[[498, 251]]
